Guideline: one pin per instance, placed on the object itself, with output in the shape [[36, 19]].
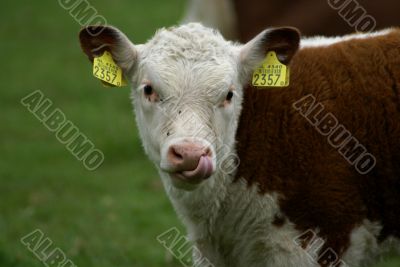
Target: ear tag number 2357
[[271, 73], [105, 69]]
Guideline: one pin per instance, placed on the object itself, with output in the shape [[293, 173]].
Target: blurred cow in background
[[218, 14], [243, 19]]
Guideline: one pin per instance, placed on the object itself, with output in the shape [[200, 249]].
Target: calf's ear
[[97, 39], [284, 41]]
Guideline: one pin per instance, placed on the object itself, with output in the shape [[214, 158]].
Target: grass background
[[108, 217]]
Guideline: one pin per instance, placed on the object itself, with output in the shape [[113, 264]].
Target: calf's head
[[187, 90]]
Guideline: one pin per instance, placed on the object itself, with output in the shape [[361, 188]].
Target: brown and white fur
[[289, 179]]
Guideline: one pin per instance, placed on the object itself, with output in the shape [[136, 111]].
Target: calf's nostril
[[176, 154]]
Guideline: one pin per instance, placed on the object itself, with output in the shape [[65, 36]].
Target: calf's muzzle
[[191, 162]]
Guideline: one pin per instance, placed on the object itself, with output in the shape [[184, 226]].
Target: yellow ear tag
[[105, 69], [271, 73]]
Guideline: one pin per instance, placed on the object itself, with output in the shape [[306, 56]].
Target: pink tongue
[[203, 170]]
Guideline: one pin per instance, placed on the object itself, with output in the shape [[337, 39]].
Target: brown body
[[358, 81]]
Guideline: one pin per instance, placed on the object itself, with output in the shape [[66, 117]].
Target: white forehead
[[191, 51], [193, 42]]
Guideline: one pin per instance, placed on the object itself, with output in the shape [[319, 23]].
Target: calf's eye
[[148, 90], [229, 96]]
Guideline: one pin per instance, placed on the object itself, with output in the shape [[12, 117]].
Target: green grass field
[[108, 217]]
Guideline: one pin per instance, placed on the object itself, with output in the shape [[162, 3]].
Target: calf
[[295, 195]]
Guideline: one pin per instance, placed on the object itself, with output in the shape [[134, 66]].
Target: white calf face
[[187, 90]]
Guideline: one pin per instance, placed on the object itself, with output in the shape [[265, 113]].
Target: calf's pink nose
[[191, 160], [186, 156]]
